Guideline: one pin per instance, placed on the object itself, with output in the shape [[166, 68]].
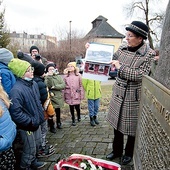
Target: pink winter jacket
[[73, 92]]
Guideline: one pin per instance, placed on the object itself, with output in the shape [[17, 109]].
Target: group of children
[[37, 92]]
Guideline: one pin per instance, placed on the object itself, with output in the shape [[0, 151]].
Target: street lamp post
[[70, 35]]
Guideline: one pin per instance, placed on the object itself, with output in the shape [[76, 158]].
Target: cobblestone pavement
[[82, 139]]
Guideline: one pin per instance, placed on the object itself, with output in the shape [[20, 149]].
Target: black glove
[[32, 128]]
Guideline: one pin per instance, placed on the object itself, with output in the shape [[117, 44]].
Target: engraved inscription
[[161, 109], [154, 143]]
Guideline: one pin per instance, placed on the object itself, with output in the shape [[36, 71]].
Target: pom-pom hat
[[138, 28], [18, 67]]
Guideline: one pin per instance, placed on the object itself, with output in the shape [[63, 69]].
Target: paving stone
[[82, 139]]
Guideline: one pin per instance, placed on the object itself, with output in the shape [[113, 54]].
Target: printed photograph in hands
[[98, 58]]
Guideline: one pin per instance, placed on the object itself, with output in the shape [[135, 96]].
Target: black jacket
[[26, 109]]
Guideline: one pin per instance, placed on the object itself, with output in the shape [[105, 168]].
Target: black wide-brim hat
[[138, 28]]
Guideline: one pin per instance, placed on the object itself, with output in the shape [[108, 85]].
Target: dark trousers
[[77, 107], [58, 115], [118, 143]]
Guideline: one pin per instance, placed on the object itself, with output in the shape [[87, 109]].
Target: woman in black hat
[[132, 61]]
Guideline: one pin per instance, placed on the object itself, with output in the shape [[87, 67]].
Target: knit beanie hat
[[72, 64], [34, 47], [5, 56], [39, 68], [66, 71], [18, 67], [24, 56], [138, 28], [50, 65]]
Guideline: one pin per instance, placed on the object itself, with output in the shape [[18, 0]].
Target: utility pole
[[23, 41], [70, 35]]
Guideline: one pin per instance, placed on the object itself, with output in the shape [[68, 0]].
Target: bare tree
[[63, 53], [72, 42], [144, 9]]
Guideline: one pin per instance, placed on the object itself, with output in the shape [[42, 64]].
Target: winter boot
[[58, 121], [73, 123], [92, 121], [59, 125], [78, 117], [95, 120], [73, 119], [51, 124]]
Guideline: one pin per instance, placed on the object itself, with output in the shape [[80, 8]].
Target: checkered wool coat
[[124, 105]]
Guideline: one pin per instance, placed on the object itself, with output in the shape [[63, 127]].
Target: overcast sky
[[47, 16]]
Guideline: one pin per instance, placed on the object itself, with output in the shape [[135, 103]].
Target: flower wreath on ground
[[84, 162]]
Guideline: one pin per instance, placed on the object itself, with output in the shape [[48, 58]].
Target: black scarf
[[133, 49]]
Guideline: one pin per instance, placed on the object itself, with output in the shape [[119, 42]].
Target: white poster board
[[98, 58]]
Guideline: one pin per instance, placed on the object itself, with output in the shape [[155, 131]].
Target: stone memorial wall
[[152, 145]]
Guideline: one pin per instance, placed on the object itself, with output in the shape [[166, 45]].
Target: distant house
[[24, 41], [102, 32]]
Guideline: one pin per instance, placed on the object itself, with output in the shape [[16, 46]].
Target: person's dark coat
[[42, 88], [26, 109], [124, 105]]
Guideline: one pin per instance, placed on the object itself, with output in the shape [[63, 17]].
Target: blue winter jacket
[[26, 109], [7, 129], [7, 78]]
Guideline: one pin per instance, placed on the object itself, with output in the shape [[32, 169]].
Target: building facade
[[24, 41]]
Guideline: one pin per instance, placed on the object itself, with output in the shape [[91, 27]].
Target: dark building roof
[[101, 29]]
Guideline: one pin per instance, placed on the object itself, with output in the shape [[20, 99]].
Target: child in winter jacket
[[93, 95], [27, 112], [73, 92], [55, 84], [6, 76], [7, 133], [39, 73]]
